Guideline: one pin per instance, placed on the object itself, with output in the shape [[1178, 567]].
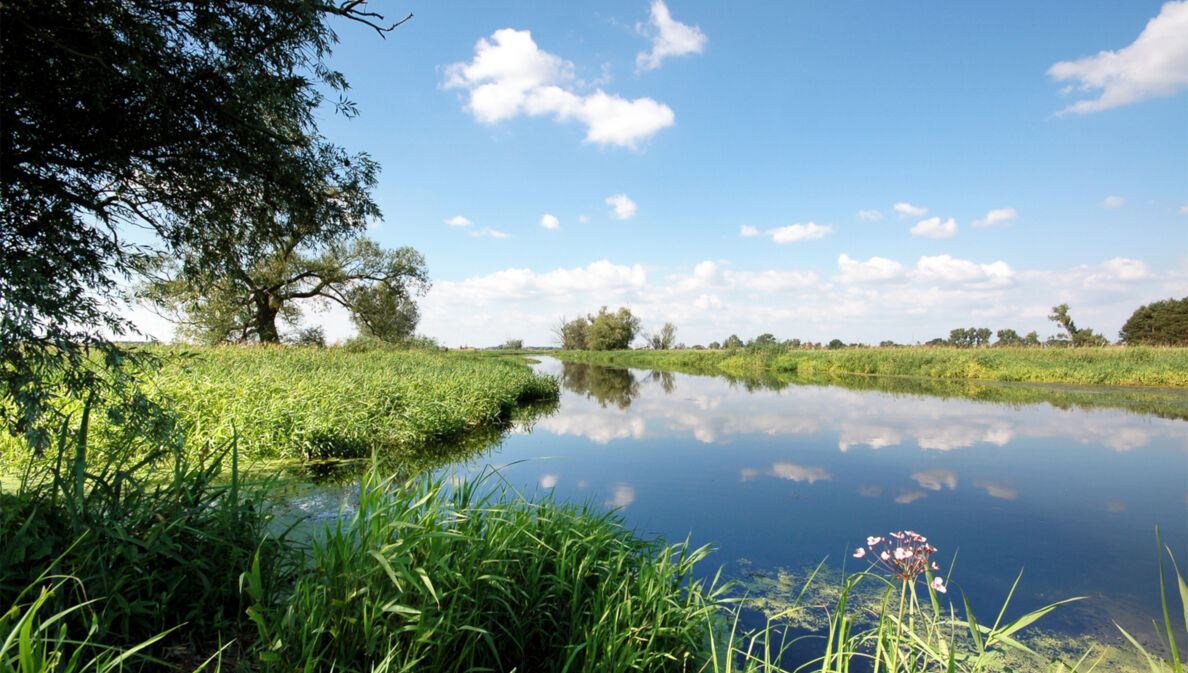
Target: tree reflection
[[608, 385]]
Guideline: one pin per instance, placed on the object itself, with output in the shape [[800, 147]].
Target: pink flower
[[938, 584], [901, 553], [860, 553], [884, 556], [872, 541], [935, 566]]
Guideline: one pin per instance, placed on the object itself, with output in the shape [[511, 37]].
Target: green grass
[[313, 403], [1113, 366]]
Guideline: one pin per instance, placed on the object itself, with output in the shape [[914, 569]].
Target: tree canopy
[[602, 332], [1160, 323], [664, 339], [169, 115]]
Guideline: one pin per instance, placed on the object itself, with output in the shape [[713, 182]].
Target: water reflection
[[784, 473]]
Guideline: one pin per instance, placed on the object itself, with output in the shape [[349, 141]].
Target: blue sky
[[859, 170]]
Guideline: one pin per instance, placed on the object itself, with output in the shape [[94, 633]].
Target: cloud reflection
[[934, 479], [623, 495], [549, 480], [997, 490], [907, 497]]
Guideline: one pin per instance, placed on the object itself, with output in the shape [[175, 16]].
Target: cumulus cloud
[[669, 38], [510, 75], [598, 278], [549, 480], [624, 207], [1113, 202], [458, 221], [933, 227], [1154, 66], [873, 269], [947, 269], [1124, 268], [550, 222], [870, 215], [623, 495], [906, 209], [997, 216], [793, 233]]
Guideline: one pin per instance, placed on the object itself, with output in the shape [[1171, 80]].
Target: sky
[[855, 170]]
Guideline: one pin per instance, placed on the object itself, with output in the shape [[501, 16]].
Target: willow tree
[[165, 115]]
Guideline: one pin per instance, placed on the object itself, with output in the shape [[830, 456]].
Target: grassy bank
[[1130, 366], [314, 403]]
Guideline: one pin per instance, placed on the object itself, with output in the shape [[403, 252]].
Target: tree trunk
[[266, 320]]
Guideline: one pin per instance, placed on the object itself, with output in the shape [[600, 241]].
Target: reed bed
[[319, 403], [1109, 366]]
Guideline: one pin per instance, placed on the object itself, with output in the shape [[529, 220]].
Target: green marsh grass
[[433, 576], [1112, 366]]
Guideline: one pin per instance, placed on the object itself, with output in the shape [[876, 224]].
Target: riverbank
[[1112, 366], [309, 403]]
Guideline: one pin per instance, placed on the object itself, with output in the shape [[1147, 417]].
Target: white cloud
[[1113, 202], [811, 474], [799, 232], [670, 38], [599, 278], [793, 233], [583, 219], [906, 209], [908, 497], [873, 269], [624, 207], [933, 227], [549, 480], [706, 302], [997, 216], [1122, 268], [1155, 65], [550, 222], [510, 75], [488, 231], [458, 221], [997, 490], [870, 215], [947, 269]]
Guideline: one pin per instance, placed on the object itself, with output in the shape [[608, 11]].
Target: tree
[[513, 345], [571, 335], [1160, 323], [164, 114], [1076, 337], [765, 340], [611, 331], [664, 339], [1032, 339], [960, 338], [714, 345], [241, 298], [384, 310], [835, 344], [1008, 337], [732, 342]]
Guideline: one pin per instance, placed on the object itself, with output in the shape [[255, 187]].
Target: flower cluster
[[904, 554]]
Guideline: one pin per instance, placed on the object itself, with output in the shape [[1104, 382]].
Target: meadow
[[1110, 366]]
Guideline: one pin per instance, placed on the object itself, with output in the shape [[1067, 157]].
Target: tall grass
[[1117, 366], [315, 403], [426, 576], [151, 543]]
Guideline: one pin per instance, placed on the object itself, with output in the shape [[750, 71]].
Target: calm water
[[784, 478]]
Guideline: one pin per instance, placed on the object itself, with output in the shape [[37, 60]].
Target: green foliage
[[969, 338], [571, 335], [1008, 337], [169, 115], [1160, 323], [385, 310], [513, 345], [835, 344], [422, 577], [611, 331], [609, 385], [154, 542], [664, 339], [732, 342]]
